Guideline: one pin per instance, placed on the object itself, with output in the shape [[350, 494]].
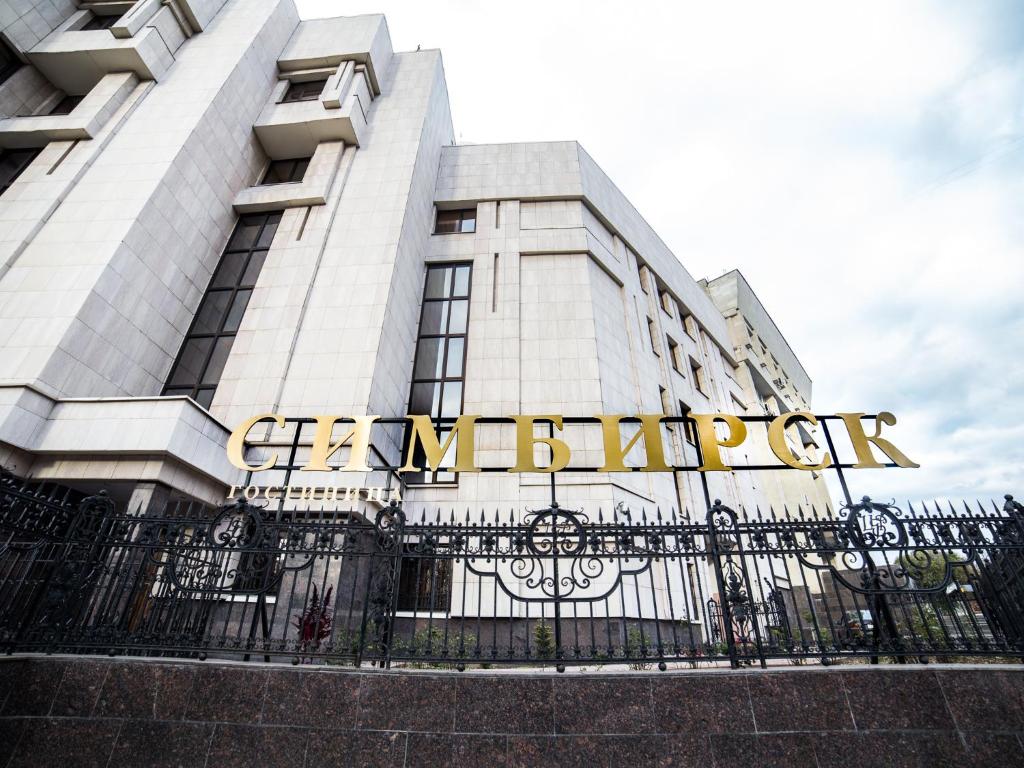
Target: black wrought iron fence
[[550, 586]]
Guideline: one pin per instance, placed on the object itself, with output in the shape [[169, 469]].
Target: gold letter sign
[[423, 434], [525, 440], [614, 453], [323, 450], [862, 442], [461, 435], [236, 443], [777, 440], [709, 442]]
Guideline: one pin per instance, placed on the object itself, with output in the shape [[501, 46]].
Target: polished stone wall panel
[[112, 712]]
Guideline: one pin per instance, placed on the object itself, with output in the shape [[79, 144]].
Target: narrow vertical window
[[438, 370], [200, 362], [652, 331], [698, 377], [688, 430]]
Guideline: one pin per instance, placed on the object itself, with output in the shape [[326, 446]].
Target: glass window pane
[[217, 360], [178, 391], [424, 400], [452, 403], [190, 365], [428, 359], [204, 397], [448, 460], [435, 315], [267, 235], [460, 311], [468, 221], [9, 63], [234, 318], [211, 312], [252, 270], [453, 365], [278, 172], [447, 222], [439, 280], [245, 233], [228, 271], [12, 163], [461, 281], [300, 168]]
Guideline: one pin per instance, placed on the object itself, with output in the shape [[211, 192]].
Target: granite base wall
[[68, 712]]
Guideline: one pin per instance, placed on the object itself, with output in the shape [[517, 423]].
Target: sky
[[861, 163]]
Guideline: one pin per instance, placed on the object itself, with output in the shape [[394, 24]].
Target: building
[[773, 381], [212, 210]]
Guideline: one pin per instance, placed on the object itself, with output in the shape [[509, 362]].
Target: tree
[[543, 641]]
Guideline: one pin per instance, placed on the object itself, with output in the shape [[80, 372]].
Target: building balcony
[[85, 121], [140, 38], [294, 128]]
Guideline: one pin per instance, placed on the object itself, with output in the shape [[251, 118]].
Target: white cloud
[[862, 164]]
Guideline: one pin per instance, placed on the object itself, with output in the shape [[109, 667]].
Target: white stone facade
[[111, 235]]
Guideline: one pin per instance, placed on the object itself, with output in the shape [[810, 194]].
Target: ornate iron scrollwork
[[561, 555]]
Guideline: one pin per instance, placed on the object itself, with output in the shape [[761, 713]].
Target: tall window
[[201, 361], [308, 90], [652, 331], [688, 430], [439, 368], [698, 376], [13, 163], [675, 354], [454, 222], [9, 63]]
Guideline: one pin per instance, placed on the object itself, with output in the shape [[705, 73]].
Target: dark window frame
[[9, 61], [23, 159], [442, 424], [66, 105], [424, 582], [460, 217], [688, 431], [201, 390], [302, 90], [293, 169], [652, 332], [697, 372], [98, 22], [675, 355]]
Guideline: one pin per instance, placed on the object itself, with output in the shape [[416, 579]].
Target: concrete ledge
[[120, 712]]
